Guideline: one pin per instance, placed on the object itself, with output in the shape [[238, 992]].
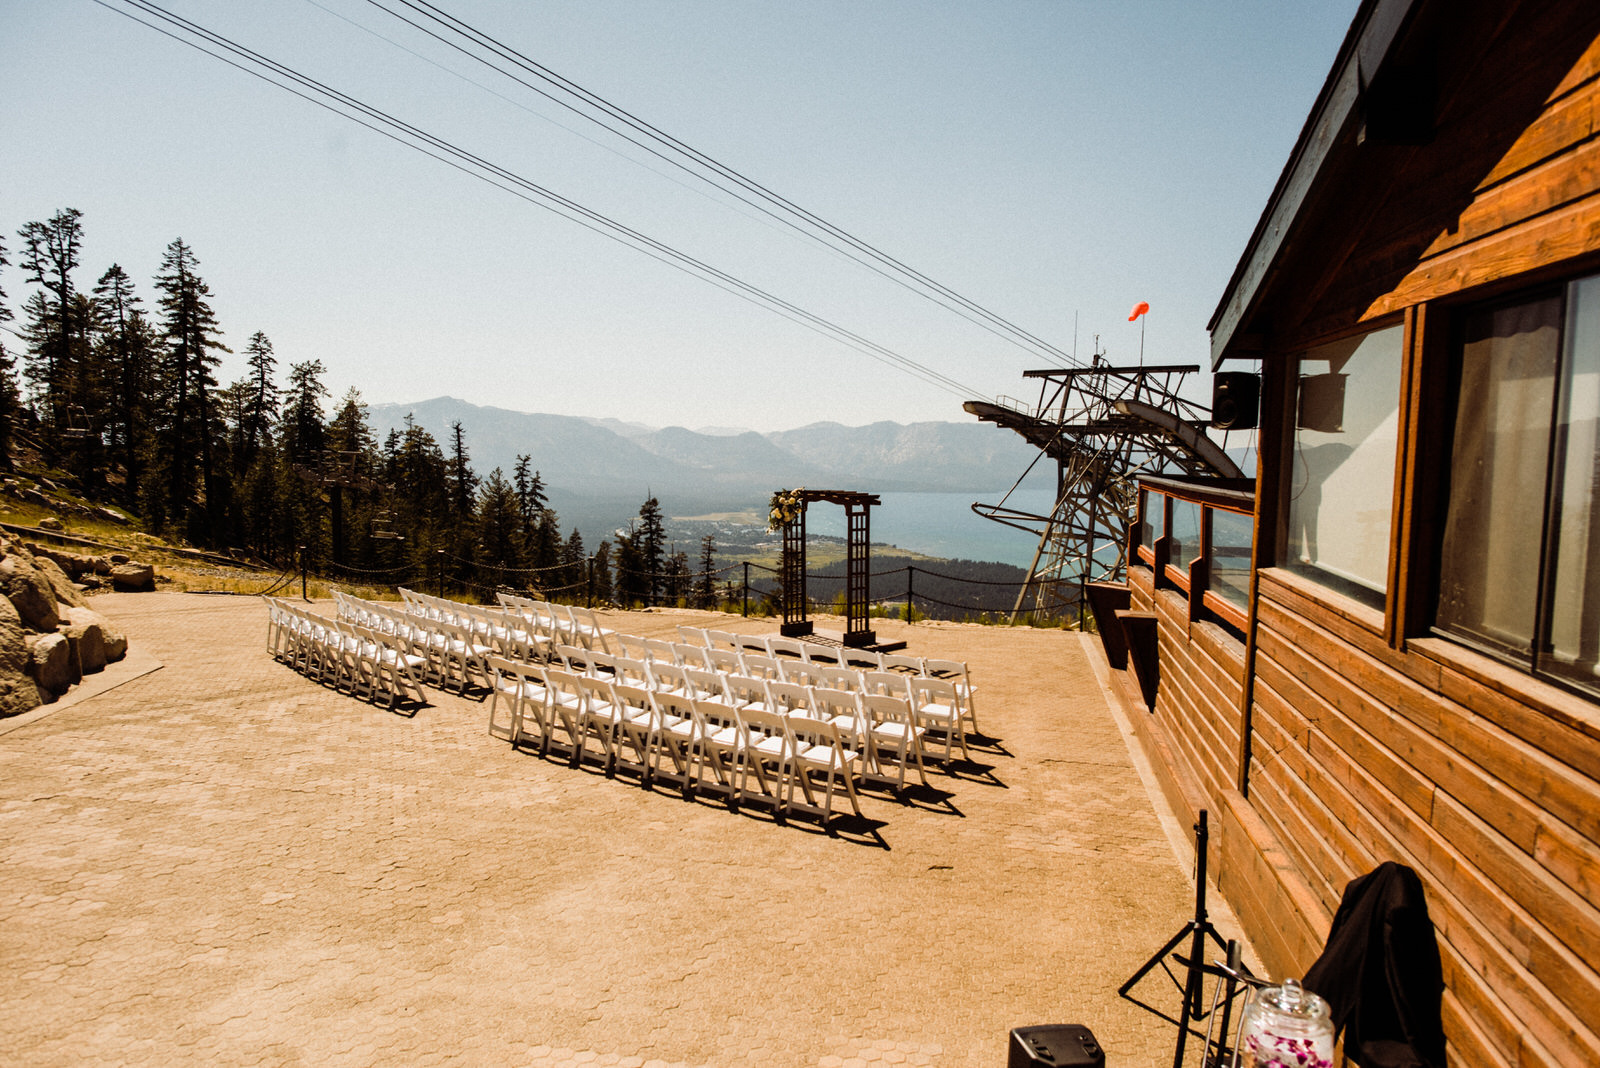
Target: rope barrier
[[370, 571], [497, 567]]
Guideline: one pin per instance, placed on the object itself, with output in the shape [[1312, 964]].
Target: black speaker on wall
[[1235, 398]]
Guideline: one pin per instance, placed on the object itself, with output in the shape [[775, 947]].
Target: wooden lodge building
[[1388, 645]]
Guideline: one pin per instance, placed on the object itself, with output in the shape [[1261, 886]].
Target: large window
[[1341, 495], [1520, 554]]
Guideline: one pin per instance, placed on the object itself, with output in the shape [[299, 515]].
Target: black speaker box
[[1056, 1046], [1235, 397]]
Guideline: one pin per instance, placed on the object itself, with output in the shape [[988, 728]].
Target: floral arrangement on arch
[[785, 508]]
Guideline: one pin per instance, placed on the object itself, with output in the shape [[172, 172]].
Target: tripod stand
[[1196, 929]]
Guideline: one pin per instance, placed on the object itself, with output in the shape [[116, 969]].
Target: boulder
[[74, 564], [88, 646], [18, 692], [50, 522], [116, 558], [111, 515], [29, 590], [51, 662], [112, 639], [132, 578], [65, 591]]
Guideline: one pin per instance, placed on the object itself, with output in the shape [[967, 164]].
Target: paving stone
[[224, 862]]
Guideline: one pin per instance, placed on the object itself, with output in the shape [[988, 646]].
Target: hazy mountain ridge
[[613, 460]]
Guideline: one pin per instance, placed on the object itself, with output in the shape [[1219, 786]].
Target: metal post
[[588, 588], [438, 559], [303, 596], [910, 574], [746, 611]]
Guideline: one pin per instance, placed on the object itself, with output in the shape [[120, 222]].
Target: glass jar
[[1286, 1027]]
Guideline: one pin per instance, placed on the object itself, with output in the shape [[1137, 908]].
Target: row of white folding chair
[[866, 726], [453, 653], [710, 744], [350, 657], [562, 622]]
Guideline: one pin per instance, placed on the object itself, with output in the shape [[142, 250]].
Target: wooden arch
[[858, 528]]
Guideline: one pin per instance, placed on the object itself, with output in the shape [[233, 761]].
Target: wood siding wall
[[1486, 783], [1365, 754]]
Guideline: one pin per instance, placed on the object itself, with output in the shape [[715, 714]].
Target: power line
[[721, 176], [452, 155]]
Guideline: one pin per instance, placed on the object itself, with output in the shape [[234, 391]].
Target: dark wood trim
[[1229, 494], [1397, 579], [1144, 642], [1177, 578], [1225, 610], [1277, 383]]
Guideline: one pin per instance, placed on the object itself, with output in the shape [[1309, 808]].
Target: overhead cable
[[404, 133], [722, 176]]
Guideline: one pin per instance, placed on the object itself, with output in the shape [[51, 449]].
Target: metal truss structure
[[1103, 426]]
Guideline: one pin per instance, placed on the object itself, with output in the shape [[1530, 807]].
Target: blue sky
[[1045, 160]]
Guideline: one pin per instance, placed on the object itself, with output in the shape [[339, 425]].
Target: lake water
[[944, 524]]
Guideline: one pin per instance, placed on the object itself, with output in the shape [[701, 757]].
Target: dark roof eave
[[1372, 35]]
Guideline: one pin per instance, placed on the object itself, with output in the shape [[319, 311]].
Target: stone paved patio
[[223, 862]]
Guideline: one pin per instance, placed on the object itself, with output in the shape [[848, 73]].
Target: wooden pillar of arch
[[857, 596], [793, 575]]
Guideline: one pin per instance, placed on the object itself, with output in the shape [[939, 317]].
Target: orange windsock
[[1138, 310]]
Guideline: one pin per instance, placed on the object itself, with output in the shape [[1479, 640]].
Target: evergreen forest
[[113, 387]]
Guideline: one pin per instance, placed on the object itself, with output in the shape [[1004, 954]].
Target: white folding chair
[[934, 703], [630, 646], [828, 655], [722, 744], [891, 726], [770, 753], [725, 661], [564, 706], [760, 666], [677, 734], [600, 717], [956, 671], [691, 656], [886, 682], [777, 645], [900, 662], [788, 699], [694, 636], [820, 751], [509, 683]]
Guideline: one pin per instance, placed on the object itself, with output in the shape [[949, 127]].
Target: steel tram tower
[[1104, 426]]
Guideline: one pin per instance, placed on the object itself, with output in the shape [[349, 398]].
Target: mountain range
[[591, 467]]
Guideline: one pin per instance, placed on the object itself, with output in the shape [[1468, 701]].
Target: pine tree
[[499, 540], [463, 483], [632, 581], [8, 384], [194, 494], [126, 352], [601, 570], [574, 567], [531, 502], [652, 538], [705, 589], [303, 435], [261, 408], [57, 334]]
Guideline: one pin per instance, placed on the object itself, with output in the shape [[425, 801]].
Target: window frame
[[1443, 352]]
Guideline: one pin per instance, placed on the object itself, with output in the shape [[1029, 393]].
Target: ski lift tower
[[1103, 426]]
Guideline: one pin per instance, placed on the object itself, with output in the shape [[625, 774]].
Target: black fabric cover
[[1380, 972]]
